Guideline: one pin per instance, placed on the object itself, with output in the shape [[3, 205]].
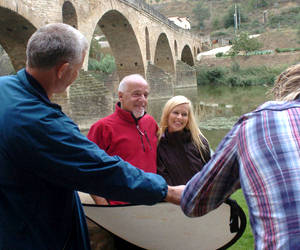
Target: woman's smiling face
[[178, 118]]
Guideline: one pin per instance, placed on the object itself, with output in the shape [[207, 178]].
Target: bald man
[[129, 132]]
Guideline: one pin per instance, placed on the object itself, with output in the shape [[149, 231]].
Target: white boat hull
[[163, 226]]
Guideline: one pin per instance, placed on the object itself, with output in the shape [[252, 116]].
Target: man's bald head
[[134, 78], [133, 94]]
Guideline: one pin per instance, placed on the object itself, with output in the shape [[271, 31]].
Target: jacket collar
[[176, 137], [35, 88], [126, 115]]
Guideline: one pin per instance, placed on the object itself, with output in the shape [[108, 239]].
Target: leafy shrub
[[219, 54], [236, 76], [276, 21], [235, 67], [280, 50], [216, 23], [287, 18], [94, 64], [207, 75], [259, 52], [233, 80], [215, 74], [106, 64], [244, 43]]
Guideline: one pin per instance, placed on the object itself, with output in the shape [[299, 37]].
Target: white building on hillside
[[182, 22]]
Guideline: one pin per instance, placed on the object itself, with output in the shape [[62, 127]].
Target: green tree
[[201, 13], [243, 43], [216, 24], [228, 19]]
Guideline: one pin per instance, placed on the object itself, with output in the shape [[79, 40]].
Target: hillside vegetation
[[277, 22], [216, 17]]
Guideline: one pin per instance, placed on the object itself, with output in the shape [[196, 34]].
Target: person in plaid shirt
[[261, 154]]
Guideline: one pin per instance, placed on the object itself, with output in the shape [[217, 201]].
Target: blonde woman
[[182, 149]]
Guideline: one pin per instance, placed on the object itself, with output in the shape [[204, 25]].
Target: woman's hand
[[174, 194]]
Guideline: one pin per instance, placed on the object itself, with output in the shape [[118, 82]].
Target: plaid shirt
[[261, 154]]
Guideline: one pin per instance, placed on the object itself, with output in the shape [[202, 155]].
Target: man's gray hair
[[53, 44], [130, 78]]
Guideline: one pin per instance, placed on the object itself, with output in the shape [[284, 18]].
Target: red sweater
[[133, 140]]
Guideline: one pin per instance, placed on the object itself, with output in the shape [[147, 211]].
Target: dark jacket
[[43, 159], [178, 159]]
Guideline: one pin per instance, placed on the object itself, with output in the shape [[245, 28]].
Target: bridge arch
[[15, 31], [128, 39], [123, 43], [163, 55], [69, 15], [187, 56]]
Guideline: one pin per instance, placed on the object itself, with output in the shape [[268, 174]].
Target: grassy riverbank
[[237, 76]]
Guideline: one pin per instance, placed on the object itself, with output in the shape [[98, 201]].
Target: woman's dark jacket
[[178, 159]]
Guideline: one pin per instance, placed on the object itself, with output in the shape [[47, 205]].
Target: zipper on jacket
[[147, 138], [141, 133], [141, 136]]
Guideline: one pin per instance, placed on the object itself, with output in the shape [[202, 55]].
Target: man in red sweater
[[129, 132]]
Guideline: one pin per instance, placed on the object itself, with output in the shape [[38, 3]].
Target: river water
[[217, 108]]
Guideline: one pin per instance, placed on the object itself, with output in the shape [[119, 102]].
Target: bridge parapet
[[142, 5]]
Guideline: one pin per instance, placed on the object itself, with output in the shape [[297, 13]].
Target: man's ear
[[62, 70], [120, 94]]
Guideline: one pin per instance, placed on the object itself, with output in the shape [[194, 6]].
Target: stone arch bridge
[[141, 39]]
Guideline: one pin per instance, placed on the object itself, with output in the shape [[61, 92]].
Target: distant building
[[182, 22]]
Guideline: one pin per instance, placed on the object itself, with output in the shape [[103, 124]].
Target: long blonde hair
[[287, 84], [191, 124]]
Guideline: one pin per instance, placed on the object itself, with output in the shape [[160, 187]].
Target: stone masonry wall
[[88, 101], [162, 88], [185, 75], [161, 83]]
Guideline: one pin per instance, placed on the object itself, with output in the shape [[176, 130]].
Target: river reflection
[[217, 108]]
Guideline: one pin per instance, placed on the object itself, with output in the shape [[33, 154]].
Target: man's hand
[[174, 194], [99, 200]]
